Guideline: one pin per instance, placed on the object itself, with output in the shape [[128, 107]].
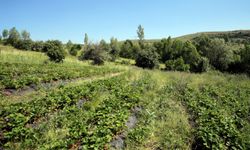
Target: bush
[[98, 60], [203, 65], [220, 55], [96, 54], [129, 50], [54, 50], [88, 54], [245, 59], [24, 44], [73, 51], [147, 58], [177, 65], [38, 46]]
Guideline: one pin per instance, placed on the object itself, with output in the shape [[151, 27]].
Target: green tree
[[126, 49], [147, 58], [177, 65], [191, 56], [86, 41], [104, 46], [177, 49], [129, 49], [69, 45], [5, 34], [14, 36], [24, 44], [164, 49], [74, 49], [54, 50], [203, 65], [38, 46], [95, 53], [203, 44], [219, 54], [114, 48], [140, 34], [245, 59], [25, 35]]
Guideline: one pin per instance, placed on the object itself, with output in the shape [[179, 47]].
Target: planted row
[[14, 117], [88, 119], [220, 114], [17, 75]]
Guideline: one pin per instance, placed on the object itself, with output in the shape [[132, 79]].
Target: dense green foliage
[[129, 49], [147, 58], [245, 59], [220, 114], [140, 34], [177, 65], [54, 51], [114, 48], [225, 51], [73, 50], [96, 54]]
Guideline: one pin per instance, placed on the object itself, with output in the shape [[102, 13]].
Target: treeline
[[200, 54], [55, 49], [197, 55]]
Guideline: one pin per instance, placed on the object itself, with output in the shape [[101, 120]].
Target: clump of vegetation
[[54, 51], [147, 58], [177, 65], [114, 49], [96, 54], [75, 49]]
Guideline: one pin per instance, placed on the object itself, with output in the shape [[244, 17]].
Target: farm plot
[[87, 116], [18, 75]]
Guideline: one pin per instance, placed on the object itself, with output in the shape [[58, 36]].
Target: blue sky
[[102, 19]]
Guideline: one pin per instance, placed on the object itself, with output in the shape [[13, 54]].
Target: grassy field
[[118, 106]]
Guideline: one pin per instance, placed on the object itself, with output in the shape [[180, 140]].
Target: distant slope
[[236, 35]]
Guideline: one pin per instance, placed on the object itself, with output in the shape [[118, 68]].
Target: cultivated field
[[75, 105]]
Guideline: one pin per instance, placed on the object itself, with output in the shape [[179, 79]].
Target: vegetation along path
[[27, 93]]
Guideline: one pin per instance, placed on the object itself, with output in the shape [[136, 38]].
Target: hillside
[[235, 35], [75, 105]]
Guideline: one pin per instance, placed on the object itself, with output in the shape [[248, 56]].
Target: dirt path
[[16, 96]]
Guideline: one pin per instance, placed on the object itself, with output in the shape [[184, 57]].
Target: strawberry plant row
[[85, 126], [16, 75], [15, 117], [221, 116]]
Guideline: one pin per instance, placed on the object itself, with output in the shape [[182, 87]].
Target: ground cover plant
[[167, 94]]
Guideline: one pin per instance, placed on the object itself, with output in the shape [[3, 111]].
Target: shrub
[[73, 51], [96, 54], [129, 50], [177, 65], [245, 58], [54, 50], [24, 44], [220, 55], [38, 46], [203, 65], [190, 56], [98, 60], [147, 58]]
